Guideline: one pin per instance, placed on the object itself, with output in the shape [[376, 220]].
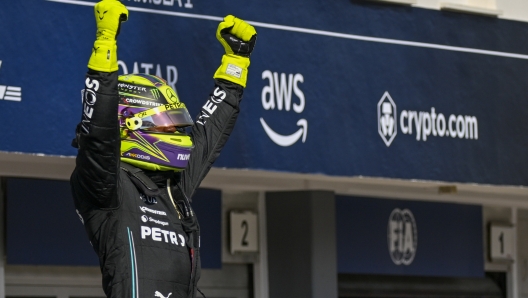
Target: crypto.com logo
[[423, 124], [387, 119]]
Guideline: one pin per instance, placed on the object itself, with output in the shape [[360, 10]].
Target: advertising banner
[[396, 237], [342, 88]]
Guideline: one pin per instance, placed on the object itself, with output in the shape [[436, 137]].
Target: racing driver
[[141, 157]]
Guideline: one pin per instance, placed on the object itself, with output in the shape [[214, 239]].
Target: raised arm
[[218, 115], [97, 135]]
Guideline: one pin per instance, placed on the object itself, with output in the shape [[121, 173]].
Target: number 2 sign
[[243, 231]]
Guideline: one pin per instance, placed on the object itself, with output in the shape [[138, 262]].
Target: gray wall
[[301, 244]]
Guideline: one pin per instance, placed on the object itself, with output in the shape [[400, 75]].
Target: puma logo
[[101, 17], [159, 295]]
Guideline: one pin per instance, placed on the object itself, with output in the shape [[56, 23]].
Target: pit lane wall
[[51, 226], [342, 88]]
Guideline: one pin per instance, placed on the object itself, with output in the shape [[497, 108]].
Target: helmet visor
[[176, 117]]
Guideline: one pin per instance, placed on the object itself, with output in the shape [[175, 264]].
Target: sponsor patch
[[148, 210], [159, 235], [234, 70], [145, 219]]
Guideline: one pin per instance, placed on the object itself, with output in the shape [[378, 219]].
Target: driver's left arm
[[218, 115]]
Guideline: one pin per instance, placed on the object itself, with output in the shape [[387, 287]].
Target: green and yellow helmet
[[152, 121]]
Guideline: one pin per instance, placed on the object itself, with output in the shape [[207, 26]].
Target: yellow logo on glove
[[108, 16]]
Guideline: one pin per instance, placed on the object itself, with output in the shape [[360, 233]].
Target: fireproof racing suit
[[140, 223]]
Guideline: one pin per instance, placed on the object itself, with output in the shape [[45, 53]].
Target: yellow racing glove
[[108, 16], [238, 39]]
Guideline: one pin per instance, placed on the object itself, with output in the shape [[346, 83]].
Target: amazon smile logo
[[278, 94]]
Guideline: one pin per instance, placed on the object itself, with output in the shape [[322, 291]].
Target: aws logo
[[278, 94]]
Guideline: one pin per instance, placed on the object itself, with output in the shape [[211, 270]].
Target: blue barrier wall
[[341, 88], [43, 228], [397, 237]]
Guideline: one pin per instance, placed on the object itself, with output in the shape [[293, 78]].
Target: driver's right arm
[[95, 177]]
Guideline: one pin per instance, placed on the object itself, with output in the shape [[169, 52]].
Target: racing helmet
[[152, 122]]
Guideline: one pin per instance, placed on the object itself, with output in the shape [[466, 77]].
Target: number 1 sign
[[501, 243]]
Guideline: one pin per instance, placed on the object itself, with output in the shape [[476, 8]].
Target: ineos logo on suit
[[211, 105], [89, 98]]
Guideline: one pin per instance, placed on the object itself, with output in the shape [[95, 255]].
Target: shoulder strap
[[141, 180]]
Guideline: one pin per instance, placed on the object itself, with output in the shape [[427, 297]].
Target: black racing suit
[[145, 235]]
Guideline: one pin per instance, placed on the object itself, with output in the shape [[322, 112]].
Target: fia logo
[[387, 127], [402, 236], [279, 94], [10, 92]]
